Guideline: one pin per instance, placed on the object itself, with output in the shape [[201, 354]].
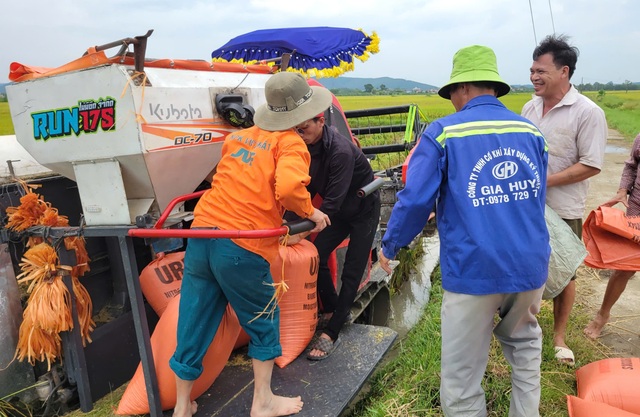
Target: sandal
[[564, 355], [325, 346]]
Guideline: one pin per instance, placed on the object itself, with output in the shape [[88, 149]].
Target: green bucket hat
[[474, 63]]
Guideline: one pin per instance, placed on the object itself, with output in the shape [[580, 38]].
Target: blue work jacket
[[483, 170]]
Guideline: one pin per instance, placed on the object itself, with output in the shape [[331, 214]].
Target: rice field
[[432, 106], [6, 125], [622, 108]]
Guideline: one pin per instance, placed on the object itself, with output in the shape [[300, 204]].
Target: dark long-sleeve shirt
[[338, 169], [630, 179]]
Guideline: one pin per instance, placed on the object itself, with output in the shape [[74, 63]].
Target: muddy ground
[[621, 335]]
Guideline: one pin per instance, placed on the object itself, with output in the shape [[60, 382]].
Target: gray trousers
[[467, 325]]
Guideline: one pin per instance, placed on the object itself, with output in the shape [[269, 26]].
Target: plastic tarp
[[567, 254], [21, 72], [610, 237]]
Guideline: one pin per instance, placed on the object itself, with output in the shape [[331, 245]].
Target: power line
[[553, 26], [533, 24]]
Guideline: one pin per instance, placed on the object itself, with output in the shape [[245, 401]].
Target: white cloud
[[418, 37]]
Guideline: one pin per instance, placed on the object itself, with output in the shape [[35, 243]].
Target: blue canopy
[[319, 51]]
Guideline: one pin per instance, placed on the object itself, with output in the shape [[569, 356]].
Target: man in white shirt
[[576, 132]]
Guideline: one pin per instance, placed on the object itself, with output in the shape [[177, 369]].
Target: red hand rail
[[209, 233], [158, 232], [172, 204]]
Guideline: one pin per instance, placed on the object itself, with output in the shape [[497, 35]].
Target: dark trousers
[[576, 226], [362, 231]]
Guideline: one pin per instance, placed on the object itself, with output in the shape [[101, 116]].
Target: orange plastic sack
[[160, 281], [616, 221], [298, 306], [612, 381], [607, 250], [405, 165], [163, 345], [243, 339], [334, 268], [583, 408]]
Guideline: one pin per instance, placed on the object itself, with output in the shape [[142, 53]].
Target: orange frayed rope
[[48, 309]]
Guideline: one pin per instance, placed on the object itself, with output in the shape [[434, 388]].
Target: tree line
[[369, 89], [610, 86]]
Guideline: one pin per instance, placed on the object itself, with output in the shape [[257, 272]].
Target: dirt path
[[621, 334]]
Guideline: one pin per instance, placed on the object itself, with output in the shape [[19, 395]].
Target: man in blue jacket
[[484, 170]]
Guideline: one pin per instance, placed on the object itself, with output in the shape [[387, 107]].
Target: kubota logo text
[[88, 116]]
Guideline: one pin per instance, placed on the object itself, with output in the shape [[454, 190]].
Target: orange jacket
[[260, 174]]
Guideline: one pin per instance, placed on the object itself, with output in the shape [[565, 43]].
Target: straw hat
[[290, 101], [474, 63]]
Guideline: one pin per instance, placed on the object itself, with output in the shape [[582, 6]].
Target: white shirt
[[576, 131]]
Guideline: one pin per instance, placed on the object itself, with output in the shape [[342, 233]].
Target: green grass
[[408, 385], [622, 110], [104, 407], [6, 125]]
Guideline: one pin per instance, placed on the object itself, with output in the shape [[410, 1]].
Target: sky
[[418, 38]]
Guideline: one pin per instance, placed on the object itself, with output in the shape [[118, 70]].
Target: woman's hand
[[620, 197]]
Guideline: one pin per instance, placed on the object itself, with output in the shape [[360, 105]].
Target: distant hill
[[353, 83], [359, 83], [388, 82]]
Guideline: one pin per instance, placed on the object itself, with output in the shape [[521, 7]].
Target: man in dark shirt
[[338, 169]]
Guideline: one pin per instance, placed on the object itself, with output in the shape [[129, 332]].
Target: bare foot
[[276, 406], [594, 328], [188, 413]]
